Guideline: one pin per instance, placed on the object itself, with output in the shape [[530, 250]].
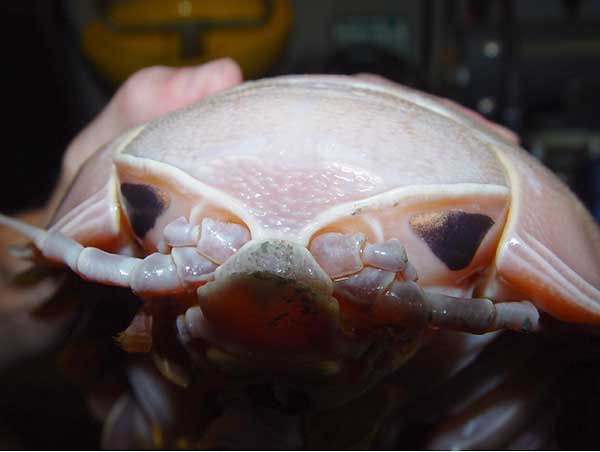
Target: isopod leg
[[389, 256], [156, 273], [480, 315], [343, 255], [406, 304], [381, 275]]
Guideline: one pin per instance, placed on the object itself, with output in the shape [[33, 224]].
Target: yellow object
[[138, 33]]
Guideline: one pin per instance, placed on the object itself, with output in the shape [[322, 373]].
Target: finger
[[158, 90]]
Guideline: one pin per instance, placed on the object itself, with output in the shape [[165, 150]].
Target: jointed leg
[[380, 276], [155, 274]]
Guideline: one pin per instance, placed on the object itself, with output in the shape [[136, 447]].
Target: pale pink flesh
[[324, 142], [158, 273]]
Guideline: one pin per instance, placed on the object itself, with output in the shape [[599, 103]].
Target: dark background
[[533, 66]]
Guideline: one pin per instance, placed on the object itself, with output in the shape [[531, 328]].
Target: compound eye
[[452, 235], [143, 204]]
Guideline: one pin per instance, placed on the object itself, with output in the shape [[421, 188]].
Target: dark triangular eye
[[143, 204], [452, 235]]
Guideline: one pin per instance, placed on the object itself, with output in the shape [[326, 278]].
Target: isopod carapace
[[304, 219]]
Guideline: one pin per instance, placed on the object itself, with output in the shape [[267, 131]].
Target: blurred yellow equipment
[[134, 34]]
